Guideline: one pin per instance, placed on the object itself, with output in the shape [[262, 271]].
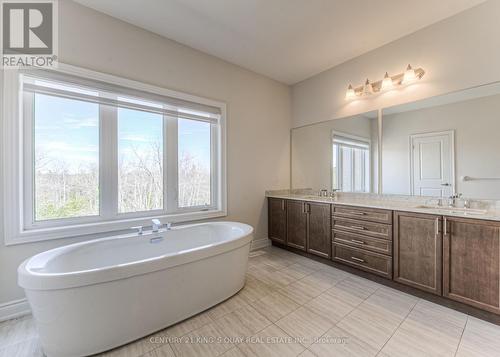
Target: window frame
[[18, 170], [366, 168]]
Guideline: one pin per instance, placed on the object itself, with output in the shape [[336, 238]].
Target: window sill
[[98, 228]]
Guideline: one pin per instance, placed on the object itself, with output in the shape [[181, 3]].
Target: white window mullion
[[171, 169], [108, 163], [28, 169]]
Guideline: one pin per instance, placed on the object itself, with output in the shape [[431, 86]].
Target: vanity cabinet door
[[297, 224], [277, 220], [418, 251], [319, 232], [471, 262]]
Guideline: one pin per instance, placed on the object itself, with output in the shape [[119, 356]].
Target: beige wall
[[476, 124], [258, 111], [459, 52]]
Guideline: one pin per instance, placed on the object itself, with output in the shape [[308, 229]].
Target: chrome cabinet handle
[[436, 226], [445, 228], [357, 241], [361, 228], [358, 213], [138, 228], [358, 259], [282, 205]]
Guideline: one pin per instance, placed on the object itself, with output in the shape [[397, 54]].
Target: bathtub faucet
[[156, 225]]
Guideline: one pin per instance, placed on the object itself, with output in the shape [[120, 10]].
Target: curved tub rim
[[138, 267]]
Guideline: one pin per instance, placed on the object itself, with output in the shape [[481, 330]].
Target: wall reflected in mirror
[[338, 154], [444, 145]]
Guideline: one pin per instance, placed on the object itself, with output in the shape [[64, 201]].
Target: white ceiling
[[288, 40]]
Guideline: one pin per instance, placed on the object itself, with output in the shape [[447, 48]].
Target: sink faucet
[[453, 199], [156, 225]]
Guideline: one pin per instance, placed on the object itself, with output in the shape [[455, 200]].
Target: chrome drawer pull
[[357, 241], [358, 213], [361, 228], [357, 259]]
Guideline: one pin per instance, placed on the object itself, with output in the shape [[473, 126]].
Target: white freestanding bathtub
[[93, 296]]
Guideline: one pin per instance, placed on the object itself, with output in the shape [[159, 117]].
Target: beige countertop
[[407, 205]]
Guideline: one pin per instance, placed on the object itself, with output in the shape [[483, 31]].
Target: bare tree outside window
[[140, 161], [66, 158], [194, 163]]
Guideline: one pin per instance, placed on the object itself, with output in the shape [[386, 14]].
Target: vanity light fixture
[[350, 94], [368, 88], [409, 76], [386, 83]]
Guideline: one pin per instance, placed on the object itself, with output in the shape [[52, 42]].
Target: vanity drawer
[[368, 214], [377, 245], [377, 230], [369, 261]]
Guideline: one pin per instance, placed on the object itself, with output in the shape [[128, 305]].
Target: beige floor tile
[[275, 306], [323, 279], [225, 307], [312, 264], [302, 292], [298, 271], [188, 325], [337, 342], [17, 330], [244, 322], [25, 348], [480, 339], [305, 325], [392, 300], [164, 351], [414, 340], [255, 289], [207, 341], [430, 330], [133, 349], [371, 324], [352, 291], [307, 353], [234, 352], [273, 278], [271, 342], [329, 307], [275, 261]]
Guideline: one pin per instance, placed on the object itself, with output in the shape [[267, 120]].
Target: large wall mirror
[[337, 154], [438, 147], [444, 145]]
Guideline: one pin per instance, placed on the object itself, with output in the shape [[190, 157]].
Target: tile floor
[[294, 306]]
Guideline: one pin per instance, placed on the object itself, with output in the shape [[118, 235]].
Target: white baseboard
[[14, 309], [260, 243]]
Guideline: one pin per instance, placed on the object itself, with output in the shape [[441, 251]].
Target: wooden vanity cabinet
[[471, 262], [277, 220], [319, 229], [296, 213], [418, 250]]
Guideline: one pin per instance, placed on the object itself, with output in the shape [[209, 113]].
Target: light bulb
[[350, 94], [367, 89], [409, 75], [386, 83]]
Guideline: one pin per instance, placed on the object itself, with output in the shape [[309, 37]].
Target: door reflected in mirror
[[444, 145]]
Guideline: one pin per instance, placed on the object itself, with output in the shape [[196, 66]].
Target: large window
[[108, 156], [351, 163]]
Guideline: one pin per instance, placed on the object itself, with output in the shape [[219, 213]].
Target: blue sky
[[68, 130]]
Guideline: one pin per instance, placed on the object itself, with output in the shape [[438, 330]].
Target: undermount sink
[[471, 211]]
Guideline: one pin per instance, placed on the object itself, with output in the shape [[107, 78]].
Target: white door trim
[[451, 134]]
